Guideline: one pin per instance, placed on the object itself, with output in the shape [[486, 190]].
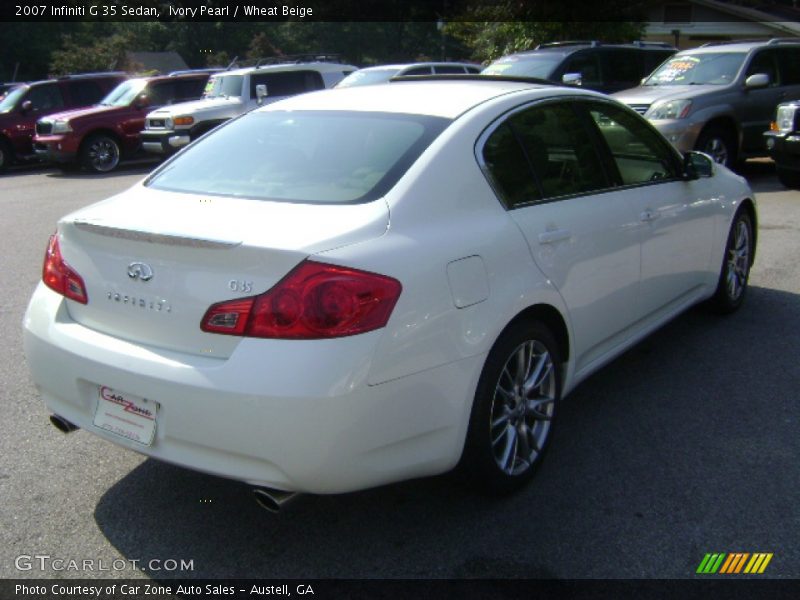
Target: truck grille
[[45, 128], [640, 108]]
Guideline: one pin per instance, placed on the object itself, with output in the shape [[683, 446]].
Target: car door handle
[[649, 215], [555, 235]]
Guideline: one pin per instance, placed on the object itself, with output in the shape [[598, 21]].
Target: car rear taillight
[[59, 276], [314, 301]]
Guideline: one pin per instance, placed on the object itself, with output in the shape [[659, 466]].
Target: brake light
[[59, 276], [314, 301]]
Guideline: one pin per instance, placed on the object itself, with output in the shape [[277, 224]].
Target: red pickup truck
[[25, 103], [98, 137]]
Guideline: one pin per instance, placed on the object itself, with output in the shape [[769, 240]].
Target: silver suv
[[229, 94], [720, 98]]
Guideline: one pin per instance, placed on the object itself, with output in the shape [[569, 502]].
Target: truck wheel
[[100, 153], [719, 144]]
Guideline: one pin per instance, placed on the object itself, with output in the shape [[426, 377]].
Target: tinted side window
[[473, 69], [653, 58], [789, 61], [162, 92], [189, 89], [84, 93], [287, 83], [555, 142], [45, 97], [586, 64], [764, 62], [639, 153], [508, 168], [621, 67], [449, 69], [418, 71]]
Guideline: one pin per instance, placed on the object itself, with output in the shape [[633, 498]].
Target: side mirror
[[697, 165], [572, 79], [261, 92], [758, 80], [26, 107], [142, 101]]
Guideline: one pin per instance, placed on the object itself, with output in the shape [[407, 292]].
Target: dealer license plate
[[126, 415]]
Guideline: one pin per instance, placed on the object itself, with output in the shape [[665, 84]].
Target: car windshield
[[712, 68], [539, 65], [124, 93], [330, 157], [9, 102], [223, 86], [367, 77]]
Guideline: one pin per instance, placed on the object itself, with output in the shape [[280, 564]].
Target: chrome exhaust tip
[[272, 500], [62, 424]]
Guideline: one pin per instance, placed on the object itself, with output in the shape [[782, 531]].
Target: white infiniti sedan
[[359, 286]]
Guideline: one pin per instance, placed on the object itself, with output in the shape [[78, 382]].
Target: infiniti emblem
[[140, 270]]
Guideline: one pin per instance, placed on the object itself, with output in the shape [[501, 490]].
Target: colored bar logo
[[734, 563]]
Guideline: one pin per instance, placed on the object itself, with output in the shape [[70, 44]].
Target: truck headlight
[[669, 109], [785, 117], [61, 127]]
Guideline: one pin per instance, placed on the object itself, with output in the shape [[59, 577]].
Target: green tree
[[513, 26], [107, 53]]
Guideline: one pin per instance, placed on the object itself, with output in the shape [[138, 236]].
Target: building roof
[[164, 62]]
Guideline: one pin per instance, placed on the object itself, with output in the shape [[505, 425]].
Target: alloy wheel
[[522, 407], [738, 261]]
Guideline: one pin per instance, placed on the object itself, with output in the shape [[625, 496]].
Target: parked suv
[[233, 93], [27, 102], [605, 68], [783, 143], [383, 73], [97, 138], [720, 98]]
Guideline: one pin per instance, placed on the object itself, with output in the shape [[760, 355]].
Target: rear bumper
[[784, 149], [55, 148], [164, 142], [291, 415]]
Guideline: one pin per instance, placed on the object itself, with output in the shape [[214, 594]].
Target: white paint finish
[[348, 413], [469, 283], [596, 268]]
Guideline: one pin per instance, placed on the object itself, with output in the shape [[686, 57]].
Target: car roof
[[400, 66], [293, 66], [446, 98], [743, 46]]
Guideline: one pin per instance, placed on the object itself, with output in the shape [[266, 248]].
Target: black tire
[[790, 179], [735, 271], [507, 439], [100, 153], [719, 144], [6, 155]]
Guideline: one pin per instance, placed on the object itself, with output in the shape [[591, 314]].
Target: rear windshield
[[325, 157]]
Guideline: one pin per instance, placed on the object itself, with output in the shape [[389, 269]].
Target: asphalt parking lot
[[685, 445]]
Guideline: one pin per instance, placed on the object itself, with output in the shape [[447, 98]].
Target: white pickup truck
[[231, 93]]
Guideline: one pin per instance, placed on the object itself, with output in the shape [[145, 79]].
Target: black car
[[606, 68], [783, 143]]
